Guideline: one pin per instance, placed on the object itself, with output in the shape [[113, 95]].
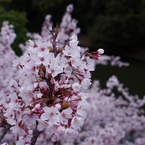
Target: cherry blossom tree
[[47, 95]]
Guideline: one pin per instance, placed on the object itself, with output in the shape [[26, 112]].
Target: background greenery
[[116, 25]]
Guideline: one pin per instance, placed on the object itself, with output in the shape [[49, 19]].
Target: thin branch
[[54, 36], [6, 129], [51, 87], [35, 136]]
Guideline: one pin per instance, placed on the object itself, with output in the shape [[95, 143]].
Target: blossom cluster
[[49, 90], [66, 29], [112, 119], [7, 55], [52, 87]]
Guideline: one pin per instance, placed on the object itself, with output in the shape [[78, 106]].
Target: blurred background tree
[[117, 26]]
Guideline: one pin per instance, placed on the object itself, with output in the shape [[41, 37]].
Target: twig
[[6, 129], [35, 136]]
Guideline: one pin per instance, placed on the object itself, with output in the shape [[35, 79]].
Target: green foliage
[[19, 21], [115, 32], [121, 25]]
